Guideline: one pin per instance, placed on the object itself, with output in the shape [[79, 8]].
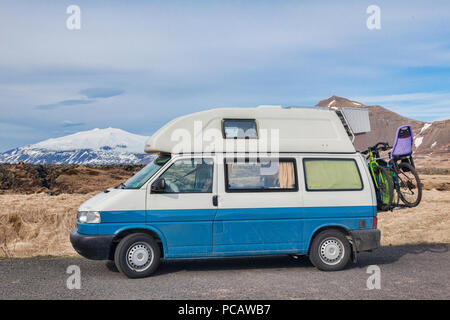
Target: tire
[[137, 255], [410, 188], [323, 254], [385, 191]]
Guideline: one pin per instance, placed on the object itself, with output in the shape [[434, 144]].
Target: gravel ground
[[407, 272]]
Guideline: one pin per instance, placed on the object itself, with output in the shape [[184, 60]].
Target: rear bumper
[[94, 247], [367, 239]]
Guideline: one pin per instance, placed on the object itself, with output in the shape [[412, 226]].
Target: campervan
[[238, 182]]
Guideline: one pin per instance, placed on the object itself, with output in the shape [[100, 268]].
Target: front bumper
[[366, 239], [94, 247]]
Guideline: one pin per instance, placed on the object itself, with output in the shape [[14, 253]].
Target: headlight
[[88, 217]]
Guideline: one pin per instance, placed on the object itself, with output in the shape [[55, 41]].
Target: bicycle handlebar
[[383, 146]]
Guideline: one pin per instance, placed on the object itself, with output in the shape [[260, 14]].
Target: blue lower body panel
[[234, 232], [257, 236]]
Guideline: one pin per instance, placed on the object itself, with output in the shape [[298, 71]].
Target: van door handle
[[215, 200]]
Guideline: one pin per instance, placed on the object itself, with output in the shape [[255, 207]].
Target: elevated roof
[[279, 130]]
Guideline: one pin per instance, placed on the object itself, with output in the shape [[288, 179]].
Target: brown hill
[[57, 179], [431, 142], [73, 179]]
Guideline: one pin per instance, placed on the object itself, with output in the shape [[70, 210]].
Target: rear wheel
[[330, 250], [409, 186], [137, 255], [385, 190]]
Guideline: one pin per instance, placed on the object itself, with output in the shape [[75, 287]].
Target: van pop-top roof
[[268, 128]]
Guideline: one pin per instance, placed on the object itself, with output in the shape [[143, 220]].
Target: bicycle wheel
[[385, 192], [409, 186]]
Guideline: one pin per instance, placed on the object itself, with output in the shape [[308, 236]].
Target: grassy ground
[[39, 224], [427, 223]]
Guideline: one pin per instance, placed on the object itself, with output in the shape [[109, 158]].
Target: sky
[[135, 65]]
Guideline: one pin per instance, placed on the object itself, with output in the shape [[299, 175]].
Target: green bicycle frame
[[372, 163]]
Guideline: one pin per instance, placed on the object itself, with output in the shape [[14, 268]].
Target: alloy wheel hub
[[139, 257], [331, 251]]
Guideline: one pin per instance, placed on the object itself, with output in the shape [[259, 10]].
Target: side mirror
[[158, 186]]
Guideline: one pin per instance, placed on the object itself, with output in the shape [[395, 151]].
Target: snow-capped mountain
[[97, 146]]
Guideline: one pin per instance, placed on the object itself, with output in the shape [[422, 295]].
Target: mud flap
[[354, 255]]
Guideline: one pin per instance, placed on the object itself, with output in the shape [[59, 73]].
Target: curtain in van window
[[286, 175], [335, 174], [261, 175]]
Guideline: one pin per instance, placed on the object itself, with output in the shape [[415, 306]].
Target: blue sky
[[135, 65]]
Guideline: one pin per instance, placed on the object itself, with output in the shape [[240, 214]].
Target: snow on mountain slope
[[96, 139], [97, 146]]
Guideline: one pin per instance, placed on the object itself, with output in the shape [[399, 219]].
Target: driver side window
[[189, 176]]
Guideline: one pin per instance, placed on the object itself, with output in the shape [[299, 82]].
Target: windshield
[[136, 181]]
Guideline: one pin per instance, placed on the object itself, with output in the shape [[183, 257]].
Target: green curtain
[[332, 175]]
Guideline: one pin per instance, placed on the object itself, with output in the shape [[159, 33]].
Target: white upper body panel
[[364, 197], [279, 130], [116, 200], [135, 199]]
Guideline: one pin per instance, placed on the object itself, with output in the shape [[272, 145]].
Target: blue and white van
[[237, 182]]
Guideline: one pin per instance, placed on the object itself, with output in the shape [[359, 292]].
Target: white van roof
[[286, 129]]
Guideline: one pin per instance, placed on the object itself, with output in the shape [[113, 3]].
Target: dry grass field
[[39, 224], [427, 223]]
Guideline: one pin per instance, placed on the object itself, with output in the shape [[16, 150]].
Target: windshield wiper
[[121, 186]]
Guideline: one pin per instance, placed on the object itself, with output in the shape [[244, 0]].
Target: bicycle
[[404, 176], [381, 178]]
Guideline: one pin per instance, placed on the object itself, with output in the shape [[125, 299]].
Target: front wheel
[[137, 255], [330, 251], [409, 186]]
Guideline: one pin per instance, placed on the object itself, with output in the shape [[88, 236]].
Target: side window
[[260, 175], [240, 129], [331, 175], [189, 176]]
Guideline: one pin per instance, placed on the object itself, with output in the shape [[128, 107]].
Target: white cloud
[[430, 105], [444, 98], [177, 57], [168, 38]]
